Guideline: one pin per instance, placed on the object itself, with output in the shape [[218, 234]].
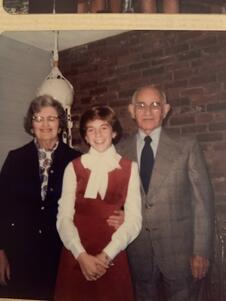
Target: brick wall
[[189, 65]]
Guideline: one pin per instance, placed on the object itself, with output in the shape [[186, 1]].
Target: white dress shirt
[[125, 234]]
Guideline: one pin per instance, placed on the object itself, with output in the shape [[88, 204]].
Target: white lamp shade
[[57, 86]]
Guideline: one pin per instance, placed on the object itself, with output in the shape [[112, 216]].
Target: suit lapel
[[33, 167], [133, 150], [128, 148], [167, 154]]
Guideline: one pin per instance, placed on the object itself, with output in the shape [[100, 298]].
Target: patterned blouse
[[45, 158]]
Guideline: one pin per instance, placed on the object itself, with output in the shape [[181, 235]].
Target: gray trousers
[[152, 284], [162, 288]]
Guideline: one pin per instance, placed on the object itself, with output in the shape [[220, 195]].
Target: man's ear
[[131, 110], [166, 110]]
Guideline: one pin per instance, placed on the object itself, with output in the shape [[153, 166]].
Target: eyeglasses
[[142, 106], [38, 118]]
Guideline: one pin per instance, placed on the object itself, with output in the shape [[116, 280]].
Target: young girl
[[93, 265]]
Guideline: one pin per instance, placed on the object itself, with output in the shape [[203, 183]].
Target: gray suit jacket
[[177, 210]]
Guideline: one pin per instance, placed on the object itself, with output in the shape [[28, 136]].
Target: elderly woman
[[30, 186]]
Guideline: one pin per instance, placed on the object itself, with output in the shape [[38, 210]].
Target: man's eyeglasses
[[142, 106], [38, 118]]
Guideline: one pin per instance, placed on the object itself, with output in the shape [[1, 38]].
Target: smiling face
[[45, 126], [99, 134], [149, 109]]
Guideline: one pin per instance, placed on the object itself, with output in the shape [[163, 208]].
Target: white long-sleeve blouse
[[120, 239]]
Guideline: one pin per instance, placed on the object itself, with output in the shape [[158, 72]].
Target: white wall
[[22, 70]]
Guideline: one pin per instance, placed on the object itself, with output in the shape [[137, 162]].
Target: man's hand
[[116, 219], [92, 267], [199, 266], [4, 268]]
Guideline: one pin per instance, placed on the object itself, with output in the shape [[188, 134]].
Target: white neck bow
[[100, 164]]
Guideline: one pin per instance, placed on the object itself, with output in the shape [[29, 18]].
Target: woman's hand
[[91, 266], [4, 268]]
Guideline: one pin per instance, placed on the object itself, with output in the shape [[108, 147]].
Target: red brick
[[217, 126], [202, 78], [182, 119], [176, 49], [216, 106], [182, 101], [194, 129], [142, 65], [177, 84], [206, 41], [153, 71], [182, 73], [208, 137], [204, 118], [190, 55], [152, 54]]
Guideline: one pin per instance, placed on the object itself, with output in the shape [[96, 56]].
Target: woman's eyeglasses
[[38, 118]]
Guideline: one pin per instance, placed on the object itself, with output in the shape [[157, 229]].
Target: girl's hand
[[92, 267], [105, 261]]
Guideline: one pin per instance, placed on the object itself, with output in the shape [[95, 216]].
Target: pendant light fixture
[[57, 86]]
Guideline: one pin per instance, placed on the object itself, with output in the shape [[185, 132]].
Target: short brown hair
[[105, 113], [35, 107]]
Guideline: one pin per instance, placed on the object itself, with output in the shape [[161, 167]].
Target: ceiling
[[67, 39]]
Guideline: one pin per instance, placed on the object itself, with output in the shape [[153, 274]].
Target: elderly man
[[171, 255]]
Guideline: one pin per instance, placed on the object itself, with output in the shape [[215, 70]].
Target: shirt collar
[[155, 134], [42, 149]]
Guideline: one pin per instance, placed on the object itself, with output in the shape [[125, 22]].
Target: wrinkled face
[[45, 125], [149, 109], [99, 134]]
